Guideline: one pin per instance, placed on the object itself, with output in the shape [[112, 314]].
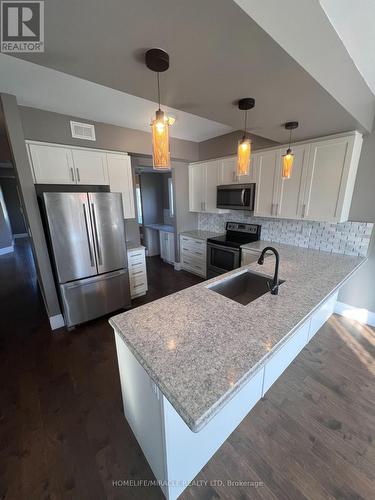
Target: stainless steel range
[[224, 251]]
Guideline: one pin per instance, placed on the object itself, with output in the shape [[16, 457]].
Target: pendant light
[[288, 158], [158, 60], [244, 145]]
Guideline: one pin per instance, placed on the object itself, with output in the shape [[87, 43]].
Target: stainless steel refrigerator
[[87, 238]]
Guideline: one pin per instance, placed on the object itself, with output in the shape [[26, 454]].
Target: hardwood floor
[[63, 433]]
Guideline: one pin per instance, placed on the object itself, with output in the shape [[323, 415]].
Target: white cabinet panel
[[290, 192], [322, 315], [121, 181], [52, 164], [193, 254], [211, 183], [331, 175], [167, 246], [284, 356], [90, 166], [137, 272], [227, 171], [266, 189], [196, 186]]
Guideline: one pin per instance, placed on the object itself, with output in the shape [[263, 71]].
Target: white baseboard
[[177, 266], [56, 321], [5, 250], [359, 314], [21, 235]]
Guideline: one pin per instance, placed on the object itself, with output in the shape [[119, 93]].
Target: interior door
[[68, 218], [108, 231]]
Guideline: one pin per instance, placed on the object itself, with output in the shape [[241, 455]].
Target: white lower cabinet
[[322, 314], [137, 272], [175, 453], [167, 246], [193, 255]]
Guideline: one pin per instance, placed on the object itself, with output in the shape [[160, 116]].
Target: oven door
[[236, 196], [221, 259]]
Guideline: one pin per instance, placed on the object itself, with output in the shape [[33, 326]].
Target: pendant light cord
[[157, 73], [290, 138], [244, 134]]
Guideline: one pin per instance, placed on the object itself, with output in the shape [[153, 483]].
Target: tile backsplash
[[350, 238]]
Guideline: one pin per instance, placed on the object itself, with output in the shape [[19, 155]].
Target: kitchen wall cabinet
[[167, 246], [58, 164], [228, 171], [121, 181], [204, 178], [90, 167], [51, 165], [266, 185]]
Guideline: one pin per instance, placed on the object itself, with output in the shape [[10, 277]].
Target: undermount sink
[[245, 287]]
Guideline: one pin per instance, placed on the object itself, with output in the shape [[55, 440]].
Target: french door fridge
[[87, 238]]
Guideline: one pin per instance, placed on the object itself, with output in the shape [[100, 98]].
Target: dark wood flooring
[[63, 433]]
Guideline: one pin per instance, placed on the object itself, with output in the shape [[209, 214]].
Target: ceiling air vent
[[83, 131]]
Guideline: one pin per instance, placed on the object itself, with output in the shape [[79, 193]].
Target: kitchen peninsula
[[193, 364]]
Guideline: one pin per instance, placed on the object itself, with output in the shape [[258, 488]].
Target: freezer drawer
[[93, 297]]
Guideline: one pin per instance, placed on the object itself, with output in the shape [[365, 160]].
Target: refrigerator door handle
[[88, 236], [96, 234]]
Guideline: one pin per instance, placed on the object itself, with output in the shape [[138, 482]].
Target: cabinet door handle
[[78, 176], [72, 173], [303, 211], [276, 208], [272, 205]]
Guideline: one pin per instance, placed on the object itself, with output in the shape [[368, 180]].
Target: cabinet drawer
[[194, 265], [137, 256], [198, 254], [134, 272], [285, 355], [193, 244]]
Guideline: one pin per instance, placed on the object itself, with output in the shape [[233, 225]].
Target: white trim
[[56, 321], [21, 235], [84, 148], [359, 314], [177, 266], [5, 250]]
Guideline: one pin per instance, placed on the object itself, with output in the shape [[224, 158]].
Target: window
[[139, 203], [170, 193]]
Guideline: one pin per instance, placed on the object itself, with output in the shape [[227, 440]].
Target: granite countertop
[[131, 245], [161, 227], [199, 234], [200, 347]]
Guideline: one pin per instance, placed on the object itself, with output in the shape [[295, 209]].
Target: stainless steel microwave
[[236, 197]]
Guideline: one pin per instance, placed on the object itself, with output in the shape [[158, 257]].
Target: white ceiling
[[354, 21], [44, 88]]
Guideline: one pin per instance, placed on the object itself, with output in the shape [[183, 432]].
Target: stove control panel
[[243, 227]]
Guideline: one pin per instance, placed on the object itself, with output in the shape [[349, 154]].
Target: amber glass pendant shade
[[288, 159], [160, 142], [243, 156]]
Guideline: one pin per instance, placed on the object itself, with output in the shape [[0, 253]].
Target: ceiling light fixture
[[288, 158], [158, 60], [244, 145]]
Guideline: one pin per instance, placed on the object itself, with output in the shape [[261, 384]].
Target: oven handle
[[223, 247], [243, 197]]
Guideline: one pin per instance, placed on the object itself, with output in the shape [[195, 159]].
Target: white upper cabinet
[[228, 171], [121, 181], [267, 164], [203, 181], [90, 166], [289, 201], [51, 164], [331, 174]]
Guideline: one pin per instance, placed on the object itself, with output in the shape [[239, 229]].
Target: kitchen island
[[193, 364]]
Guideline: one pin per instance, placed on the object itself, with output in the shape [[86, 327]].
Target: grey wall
[[360, 290], [165, 191], [152, 197], [45, 126], [16, 138], [226, 145], [6, 239], [13, 204]]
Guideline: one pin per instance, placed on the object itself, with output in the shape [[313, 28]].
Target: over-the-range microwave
[[236, 196]]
